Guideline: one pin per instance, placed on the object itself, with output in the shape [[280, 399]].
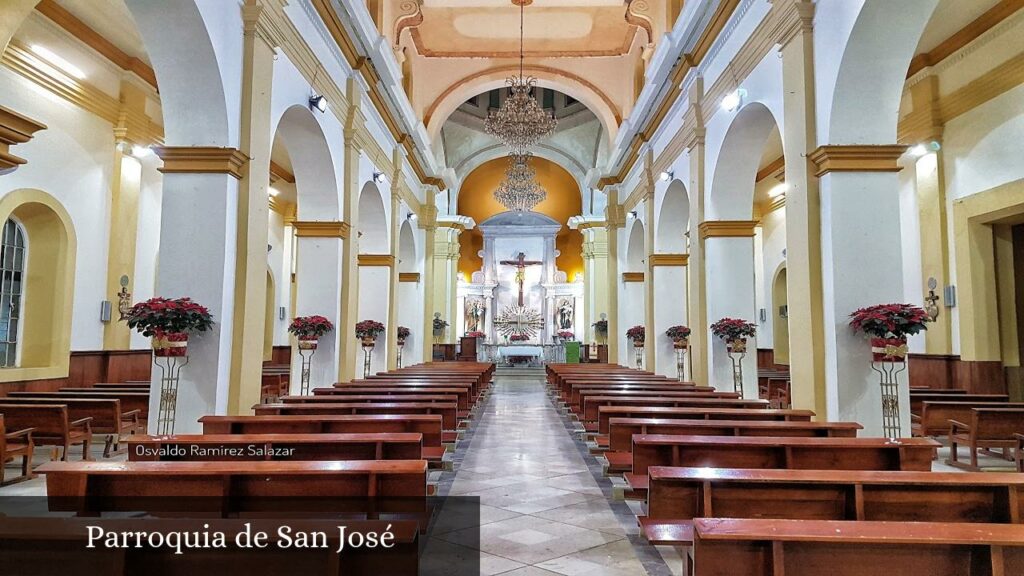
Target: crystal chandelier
[[520, 191], [520, 122]]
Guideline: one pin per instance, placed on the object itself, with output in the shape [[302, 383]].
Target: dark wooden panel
[[86, 368], [948, 371], [281, 355]]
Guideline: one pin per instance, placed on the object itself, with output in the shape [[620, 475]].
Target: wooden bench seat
[[621, 430], [933, 420], [775, 452], [730, 547], [678, 495], [447, 410], [916, 400], [462, 394], [107, 417], [51, 426], [220, 447], [475, 390], [987, 428], [606, 413], [591, 404], [129, 400], [15, 444], [583, 395], [576, 390], [130, 387]]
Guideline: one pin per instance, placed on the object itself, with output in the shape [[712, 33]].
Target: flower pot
[[680, 343], [401, 342], [308, 343], [170, 344], [737, 346], [638, 343], [368, 342], [889, 349]]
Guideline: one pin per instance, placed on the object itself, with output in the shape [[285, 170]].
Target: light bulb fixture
[[57, 62], [919, 150], [733, 100], [666, 176], [319, 102], [273, 192], [141, 151], [378, 177], [633, 214], [410, 216]]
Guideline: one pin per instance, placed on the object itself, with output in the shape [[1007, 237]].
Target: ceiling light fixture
[[733, 100], [319, 102], [520, 122], [519, 191], [58, 62]]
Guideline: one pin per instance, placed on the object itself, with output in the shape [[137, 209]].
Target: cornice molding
[[966, 35], [774, 167], [727, 229], [857, 158], [408, 276], [386, 260], [277, 172], [14, 129], [321, 229], [632, 276], [201, 160], [668, 260]]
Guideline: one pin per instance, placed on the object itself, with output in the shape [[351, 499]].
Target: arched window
[[12, 276]]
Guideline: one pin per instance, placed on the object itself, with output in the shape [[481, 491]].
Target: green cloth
[[572, 352]]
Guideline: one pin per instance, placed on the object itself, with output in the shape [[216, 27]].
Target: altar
[[519, 354]]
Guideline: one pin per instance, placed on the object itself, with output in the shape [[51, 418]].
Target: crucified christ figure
[[521, 263]]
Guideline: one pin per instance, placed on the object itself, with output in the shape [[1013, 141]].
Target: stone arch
[[407, 249], [673, 219], [316, 187], [552, 153], [268, 325], [636, 252], [731, 196], [780, 325], [373, 221], [580, 89], [49, 283]]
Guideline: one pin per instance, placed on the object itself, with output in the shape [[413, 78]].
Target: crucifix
[[520, 263]]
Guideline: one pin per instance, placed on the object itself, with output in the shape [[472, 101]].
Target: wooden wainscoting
[[282, 355], [89, 367], [949, 371]]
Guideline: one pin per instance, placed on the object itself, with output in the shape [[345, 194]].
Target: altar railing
[[550, 353]]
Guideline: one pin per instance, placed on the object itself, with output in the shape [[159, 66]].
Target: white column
[[668, 277], [318, 278]]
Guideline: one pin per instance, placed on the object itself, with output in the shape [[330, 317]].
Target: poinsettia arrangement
[[636, 334], [519, 337], [566, 335], [678, 332], [404, 333], [310, 327], [730, 329], [369, 329], [890, 320], [170, 318], [475, 334], [601, 326]]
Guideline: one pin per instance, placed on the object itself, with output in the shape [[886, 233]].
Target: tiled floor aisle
[[543, 512]]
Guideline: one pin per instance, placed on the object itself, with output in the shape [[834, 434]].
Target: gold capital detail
[[14, 129], [669, 259], [857, 158], [201, 160], [376, 260], [328, 229], [632, 276], [408, 276], [727, 229]]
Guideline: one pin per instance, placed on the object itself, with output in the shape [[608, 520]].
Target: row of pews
[[744, 488], [360, 451]]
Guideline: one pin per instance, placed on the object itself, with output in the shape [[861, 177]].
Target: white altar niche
[[519, 299]]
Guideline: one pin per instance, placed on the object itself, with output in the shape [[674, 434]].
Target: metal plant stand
[[638, 352], [306, 354], [888, 373], [170, 371], [367, 356], [681, 363], [737, 351], [398, 356]]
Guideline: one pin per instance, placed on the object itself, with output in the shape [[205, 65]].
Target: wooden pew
[[776, 452], [475, 390], [606, 413], [229, 447], [583, 394], [129, 400], [730, 547], [576, 389], [621, 430], [461, 393], [58, 546], [428, 426], [50, 426], [107, 417], [933, 420], [917, 400], [128, 387], [447, 411], [1019, 452], [678, 495], [12, 445], [592, 403], [988, 428], [949, 391]]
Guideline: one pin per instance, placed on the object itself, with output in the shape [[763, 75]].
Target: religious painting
[[565, 313], [475, 313]]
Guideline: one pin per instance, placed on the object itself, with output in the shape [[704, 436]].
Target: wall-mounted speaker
[[105, 309]]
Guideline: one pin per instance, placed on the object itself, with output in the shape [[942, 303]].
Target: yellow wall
[[476, 199]]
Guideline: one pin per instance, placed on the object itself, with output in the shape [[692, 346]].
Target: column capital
[[14, 129], [795, 17], [255, 20], [615, 216], [201, 160], [668, 259], [857, 158], [382, 260], [632, 276], [325, 229], [727, 229], [408, 276]]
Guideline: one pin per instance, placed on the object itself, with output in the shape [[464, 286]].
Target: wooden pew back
[[429, 426]]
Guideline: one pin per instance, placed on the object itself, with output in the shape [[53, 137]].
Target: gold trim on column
[[14, 129], [857, 158], [325, 229], [669, 259], [408, 276], [376, 260], [727, 228], [201, 160], [632, 276]]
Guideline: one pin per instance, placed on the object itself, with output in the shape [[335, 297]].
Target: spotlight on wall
[[378, 177], [141, 151], [319, 102], [410, 216], [666, 176], [923, 148], [274, 192], [733, 100], [633, 214]]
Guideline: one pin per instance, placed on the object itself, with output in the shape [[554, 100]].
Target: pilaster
[[696, 279], [350, 248]]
